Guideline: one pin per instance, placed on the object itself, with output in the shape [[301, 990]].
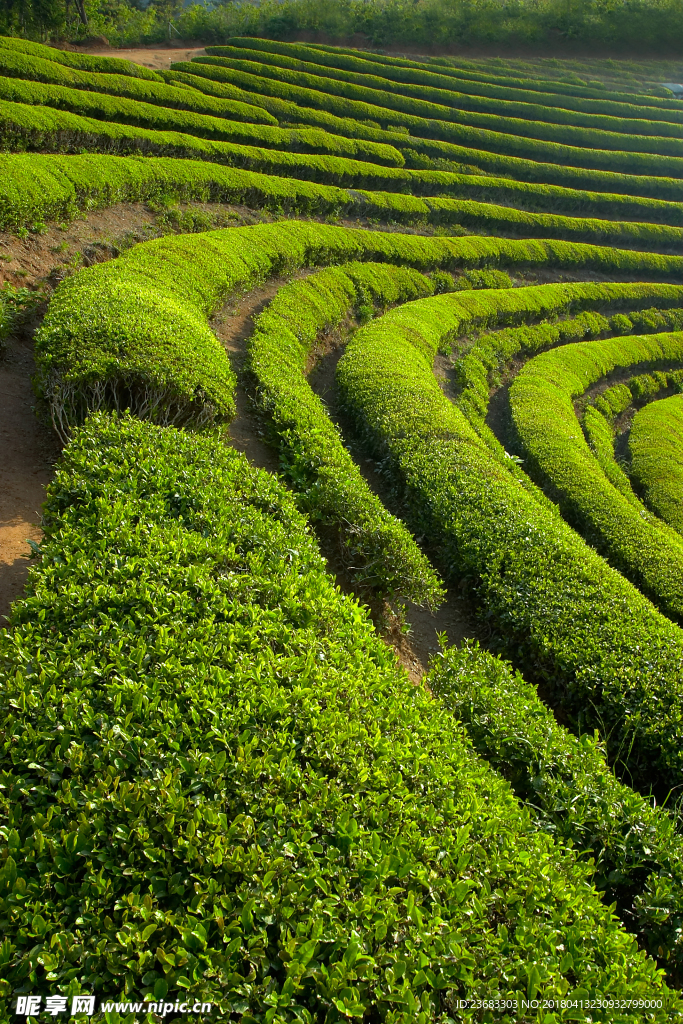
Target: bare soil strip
[[29, 451]]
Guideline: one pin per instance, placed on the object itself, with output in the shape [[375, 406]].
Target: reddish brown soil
[[29, 451], [159, 57], [46, 258], [232, 325]]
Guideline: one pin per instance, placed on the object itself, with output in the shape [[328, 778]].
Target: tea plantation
[[219, 787]]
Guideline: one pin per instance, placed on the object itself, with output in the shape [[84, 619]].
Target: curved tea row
[[212, 758]]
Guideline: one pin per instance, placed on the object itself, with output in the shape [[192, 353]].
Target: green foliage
[[59, 83], [16, 305], [557, 77], [89, 359], [598, 419], [81, 61], [218, 767], [656, 444], [648, 27], [481, 362], [121, 111], [65, 131], [604, 654], [558, 456], [457, 107], [133, 334], [572, 794], [38, 187], [433, 133], [420, 117], [378, 551], [483, 279]]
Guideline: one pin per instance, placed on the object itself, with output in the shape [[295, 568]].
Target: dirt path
[[232, 325], [29, 451], [158, 57]]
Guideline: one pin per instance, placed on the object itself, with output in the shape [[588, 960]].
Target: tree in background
[[633, 27]]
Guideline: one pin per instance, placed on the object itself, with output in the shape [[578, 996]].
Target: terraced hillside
[[464, 352]]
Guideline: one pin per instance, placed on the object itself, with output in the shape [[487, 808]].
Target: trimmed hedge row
[[275, 817], [120, 111], [36, 188], [479, 363], [604, 653], [376, 547], [528, 120], [598, 419], [529, 105], [83, 61], [390, 207], [497, 219], [419, 150], [114, 338], [28, 127], [541, 403], [656, 444], [572, 794], [588, 147], [561, 91], [94, 348], [45, 82], [562, 173]]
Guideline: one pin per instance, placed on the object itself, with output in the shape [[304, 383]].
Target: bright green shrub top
[[37, 81], [601, 649], [527, 120], [493, 156], [572, 794], [95, 344], [377, 551], [656, 444], [37, 187], [471, 79], [216, 761], [422, 117], [84, 61], [478, 366], [195, 119], [541, 403], [470, 96]]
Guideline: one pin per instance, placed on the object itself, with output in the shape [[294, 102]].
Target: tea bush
[[657, 457], [598, 419], [421, 117], [41, 187], [378, 550], [603, 652], [42, 81], [81, 61], [216, 780], [94, 348], [479, 364], [566, 96], [516, 121], [541, 403], [495, 159], [572, 794]]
